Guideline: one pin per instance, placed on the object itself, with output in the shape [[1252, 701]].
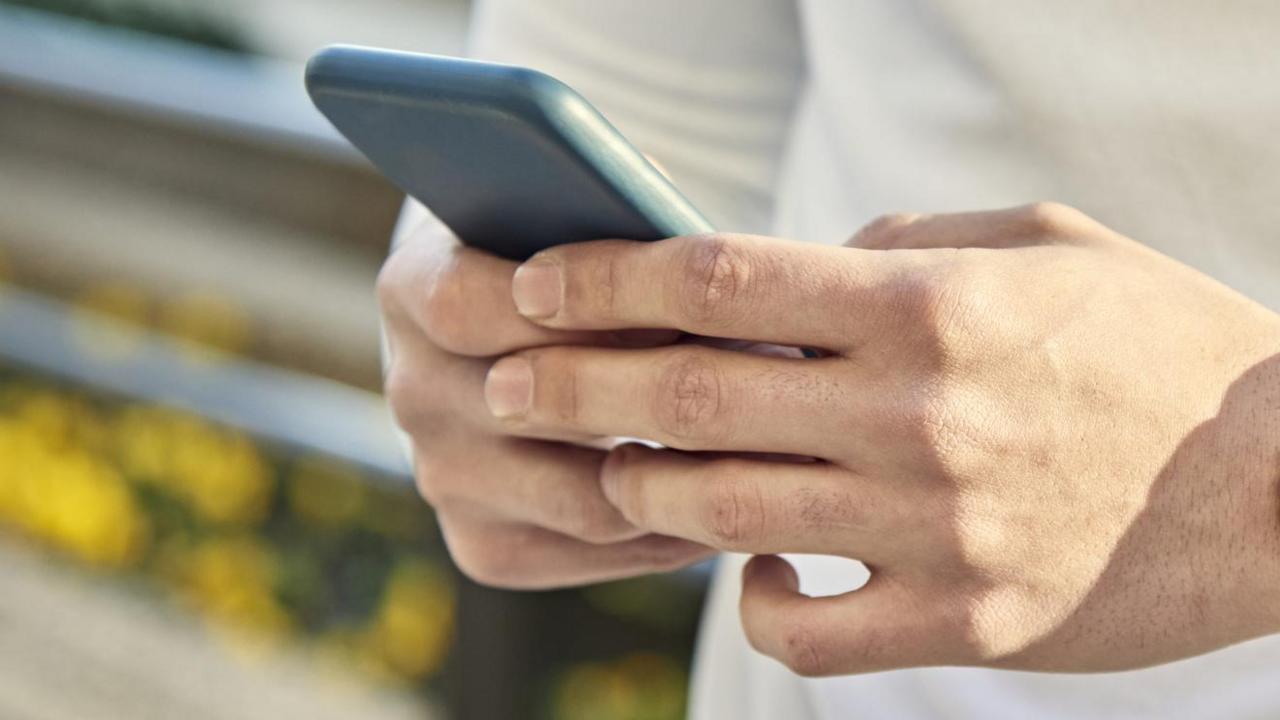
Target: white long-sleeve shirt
[[806, 118]]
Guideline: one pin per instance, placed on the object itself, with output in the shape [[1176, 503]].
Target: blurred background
[[203, 509]]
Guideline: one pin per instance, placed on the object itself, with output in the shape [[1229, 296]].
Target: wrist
[[1271, 483], [1260, 445]]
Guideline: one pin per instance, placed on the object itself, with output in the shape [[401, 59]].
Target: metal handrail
[[254, 96], [292, 408]]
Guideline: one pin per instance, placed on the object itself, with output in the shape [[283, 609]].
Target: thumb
[[877, 627]]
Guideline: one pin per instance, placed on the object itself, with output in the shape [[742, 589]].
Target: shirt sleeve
[[705, 87]]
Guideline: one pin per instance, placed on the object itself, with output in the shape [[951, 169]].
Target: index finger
[[461, 299], [737, 286]]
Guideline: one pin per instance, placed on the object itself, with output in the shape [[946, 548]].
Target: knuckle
[[804, 651], [628, 495], [430, 477], [484, 566], [733, 513], [942, 303], [884, 232], [933, 420], [555, 381], [429, 287], [984, 626], [597, 288], [981, 536], [826, 508], [585, 518], [689, 400], [387, 284], [406, 394], [1052, 219], [717, 274], [398, 274], [444, 314], [927, 412], [484, 559]]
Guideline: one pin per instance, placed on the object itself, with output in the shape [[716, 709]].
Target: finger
[[877, 627], [461, 299], [523, 557], [550, 485], [744, 287], [687, 397], [749, 505], [1024, 226], [433, 393]]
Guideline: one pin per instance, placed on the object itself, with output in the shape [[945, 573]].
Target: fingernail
[[537, 289], [508, 389]]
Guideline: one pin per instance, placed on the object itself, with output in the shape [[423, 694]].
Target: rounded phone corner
[[318, 74], [465, 137], [552, 98], [313, 72]]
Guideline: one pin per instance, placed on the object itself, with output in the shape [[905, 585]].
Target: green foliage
[[281, 546]]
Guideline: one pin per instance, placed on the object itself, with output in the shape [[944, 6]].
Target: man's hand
[[517, 509], [1055, 449]]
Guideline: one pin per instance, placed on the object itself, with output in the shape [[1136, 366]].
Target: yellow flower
[[593, 691], [72, 500], [13, 451], [643, 686], [61, 419], [144, 442], [93, 514], [414, 622], [225, 478], [220, 474], [232, 580], [52, 415], [659, 681], [22, 476], [325, 491]]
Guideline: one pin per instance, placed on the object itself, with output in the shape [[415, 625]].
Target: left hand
[[1055, 448]]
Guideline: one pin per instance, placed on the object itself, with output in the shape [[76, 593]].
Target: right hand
[[516, 512]]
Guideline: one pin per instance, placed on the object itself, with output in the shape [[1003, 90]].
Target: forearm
[[1258, 449]]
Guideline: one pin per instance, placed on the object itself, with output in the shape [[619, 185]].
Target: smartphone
[[510, 159]]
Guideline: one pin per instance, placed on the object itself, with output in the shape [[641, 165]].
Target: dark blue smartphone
[[511, 159]]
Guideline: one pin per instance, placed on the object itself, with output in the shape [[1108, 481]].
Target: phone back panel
[[512, 160]]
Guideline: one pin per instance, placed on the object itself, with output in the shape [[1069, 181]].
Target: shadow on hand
[[1192, 573]]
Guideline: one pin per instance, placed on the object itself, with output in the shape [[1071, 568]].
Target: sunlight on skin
[[1036, 432]]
